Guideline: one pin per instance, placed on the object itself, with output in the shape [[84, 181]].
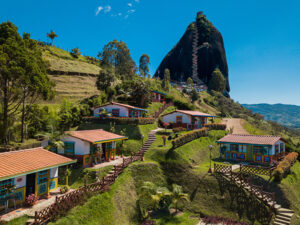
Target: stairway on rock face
[[195, 55]]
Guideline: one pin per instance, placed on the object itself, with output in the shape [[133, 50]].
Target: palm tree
[[156, 193], [177, 195], [51, 35], [54, 138]]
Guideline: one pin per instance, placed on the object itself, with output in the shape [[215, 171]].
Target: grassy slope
[[62, 60]]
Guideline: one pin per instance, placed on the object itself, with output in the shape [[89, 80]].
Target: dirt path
[[236, 124]]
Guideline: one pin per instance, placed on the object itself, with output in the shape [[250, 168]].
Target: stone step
[[282, 221], [288, 215], [283, 210], [278, 223], [279, 216]]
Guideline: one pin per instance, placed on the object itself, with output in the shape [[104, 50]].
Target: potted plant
[[31, 200]]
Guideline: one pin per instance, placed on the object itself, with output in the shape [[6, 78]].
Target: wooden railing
[[156, 115], [257, 170], [67, 201], [221, 168]]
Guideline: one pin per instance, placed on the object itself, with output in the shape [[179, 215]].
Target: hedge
[[122, 120], [190, 136], [216, 126], [284, 166]]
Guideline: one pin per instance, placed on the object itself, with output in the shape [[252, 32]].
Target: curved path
[[236, 124]]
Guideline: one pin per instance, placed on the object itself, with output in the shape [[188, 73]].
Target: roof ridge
[[255, 135], [22, 150], [84, 130]]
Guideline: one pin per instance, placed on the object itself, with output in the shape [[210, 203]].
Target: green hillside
[[286, 115]]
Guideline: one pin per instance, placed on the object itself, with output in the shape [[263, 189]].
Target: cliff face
[[199, 51]]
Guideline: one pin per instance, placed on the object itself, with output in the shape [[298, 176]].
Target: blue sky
[[262, 38]]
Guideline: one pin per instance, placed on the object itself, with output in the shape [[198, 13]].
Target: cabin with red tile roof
[[119, 110], [157, 96], [90, 147], [251, 148], [29, 171], [187, 118]]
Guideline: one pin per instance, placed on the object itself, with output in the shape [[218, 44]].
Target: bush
[[31, 199], [64, 189], [284, 166], [216, 126], [178, 129], [190, 136]]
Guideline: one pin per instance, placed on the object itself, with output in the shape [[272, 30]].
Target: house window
[[42, 177], [69, 148], [267, 159], [178, 119], [258, 158], [257, 149], [4, 185], [227, 155], [233, 155], [242, 156], [115, 112], [243, 149], [234, 147]]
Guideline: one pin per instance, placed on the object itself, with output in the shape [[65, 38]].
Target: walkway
[[236, 124], [41, 204]]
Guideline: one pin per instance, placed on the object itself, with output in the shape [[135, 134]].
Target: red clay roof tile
[[29, 160], [250, 139], [93, 136]]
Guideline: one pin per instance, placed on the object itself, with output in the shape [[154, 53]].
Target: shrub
[[64, 189], [284, 166], [178, 129], [216, 126], [31, 199], [190, 136]]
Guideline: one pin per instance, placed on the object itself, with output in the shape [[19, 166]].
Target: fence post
[[35, 217]]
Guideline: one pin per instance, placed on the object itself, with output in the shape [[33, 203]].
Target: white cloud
[[131, 11], [99, 9], [126, 16], [119, 14], [129, 4], [107, 9], [137, 1]]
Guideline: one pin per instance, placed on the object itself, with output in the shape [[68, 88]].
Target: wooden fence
[[221, 168], [69, 200], [257, 170]]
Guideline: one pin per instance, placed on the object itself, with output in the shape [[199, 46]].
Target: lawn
[[153, 108]]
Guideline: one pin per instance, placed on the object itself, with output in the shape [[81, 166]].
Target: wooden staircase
[[283, 216], [156, 115], [147, 144]]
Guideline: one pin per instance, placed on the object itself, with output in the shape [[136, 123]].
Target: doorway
[[30, 184], [103, 152]]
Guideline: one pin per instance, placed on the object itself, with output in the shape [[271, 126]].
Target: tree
[[177, 195], [75, 52], [141, 92], [166, 79], [194, 95], [105, 79], [190, 82], [116, 54], [23, 77], [217, 81], [144, 65], [52, 35]]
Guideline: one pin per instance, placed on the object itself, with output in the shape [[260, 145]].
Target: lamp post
[[210, 149]]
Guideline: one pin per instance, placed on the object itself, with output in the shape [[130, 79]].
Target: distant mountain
[[287, 115]]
